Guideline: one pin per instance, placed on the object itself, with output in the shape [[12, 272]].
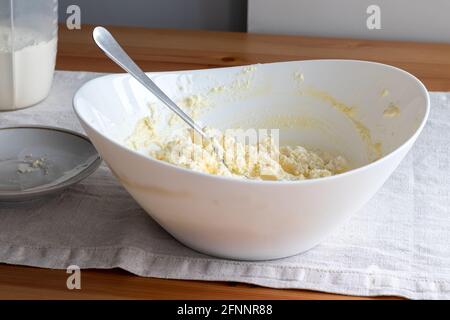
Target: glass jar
[[28, 42]]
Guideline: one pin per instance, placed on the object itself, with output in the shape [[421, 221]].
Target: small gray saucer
[[38, 160]]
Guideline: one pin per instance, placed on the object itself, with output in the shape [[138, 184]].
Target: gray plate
[[37, 161]]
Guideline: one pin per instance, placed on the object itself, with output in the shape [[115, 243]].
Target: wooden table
[[156, 50]]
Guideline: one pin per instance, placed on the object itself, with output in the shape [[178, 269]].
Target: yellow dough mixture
[[263, 160]]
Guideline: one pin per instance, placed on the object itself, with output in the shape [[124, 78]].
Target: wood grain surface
[[157, 50], [162, 50], [34, 283]]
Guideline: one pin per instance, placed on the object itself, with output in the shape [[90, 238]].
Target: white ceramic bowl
[[255, 220]]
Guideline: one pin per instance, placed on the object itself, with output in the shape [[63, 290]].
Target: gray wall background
[[224, 15], [417, 20]]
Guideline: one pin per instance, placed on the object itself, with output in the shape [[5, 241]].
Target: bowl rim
[[423, 90]]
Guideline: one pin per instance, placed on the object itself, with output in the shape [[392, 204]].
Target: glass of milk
[[28, 41]]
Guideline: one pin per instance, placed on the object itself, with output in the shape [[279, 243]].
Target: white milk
[[26, 74]]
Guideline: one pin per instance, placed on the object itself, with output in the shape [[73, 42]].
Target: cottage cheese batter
[[260, 161]]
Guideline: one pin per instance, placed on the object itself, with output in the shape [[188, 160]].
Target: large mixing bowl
[[368, 112]]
